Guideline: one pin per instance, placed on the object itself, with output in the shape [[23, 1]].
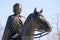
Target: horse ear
[[41, 11], [35, 10]]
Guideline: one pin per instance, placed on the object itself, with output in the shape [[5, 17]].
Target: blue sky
[[50, 8]]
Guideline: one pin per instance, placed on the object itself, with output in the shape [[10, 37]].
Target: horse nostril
[[48, 29]]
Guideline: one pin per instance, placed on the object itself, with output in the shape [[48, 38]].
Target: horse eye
[[40, 17]]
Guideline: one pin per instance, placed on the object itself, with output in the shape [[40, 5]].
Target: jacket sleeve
[[9, 25]]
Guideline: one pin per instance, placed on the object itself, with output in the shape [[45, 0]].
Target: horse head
[[44, 24]]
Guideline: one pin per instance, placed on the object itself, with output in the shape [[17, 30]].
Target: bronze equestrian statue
[[14, 24], [35, 22]]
